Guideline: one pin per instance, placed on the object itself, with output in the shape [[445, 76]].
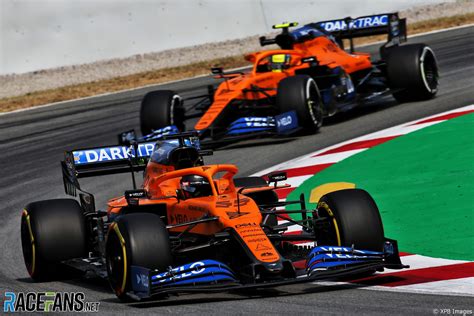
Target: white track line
[[391, 131]]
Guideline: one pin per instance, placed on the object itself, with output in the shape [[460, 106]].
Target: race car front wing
[[322, 263]]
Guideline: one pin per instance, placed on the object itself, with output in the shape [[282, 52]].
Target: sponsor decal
[[48, 302], [177, 273], [360, 23], [197, 208], [262, 247], [142, 279], [286, 121], [245, 225], [130, 194], [256, 121], [223, 204], [241, 201], [115, 153], [233, 215], [180, 218], [256, 240]]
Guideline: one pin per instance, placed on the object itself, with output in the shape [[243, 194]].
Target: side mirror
[[277, 176], [132, 196], [309, 60], [217, 70]]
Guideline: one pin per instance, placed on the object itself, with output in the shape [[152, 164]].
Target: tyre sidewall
[[406, 67], [146, 244], [59, 233], [160, 109], [357, 217], [294, 95]]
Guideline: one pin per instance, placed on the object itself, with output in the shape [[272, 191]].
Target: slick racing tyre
[[261, 198], [301, 94], [412, 72], [51, 231], [160, 109], [139, 239], [353, 220]]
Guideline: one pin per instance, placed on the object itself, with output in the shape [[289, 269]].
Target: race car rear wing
[[99, 161], [379, 24], [106, 160]]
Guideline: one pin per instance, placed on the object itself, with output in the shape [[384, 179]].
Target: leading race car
[[291, 89], [194, 227]]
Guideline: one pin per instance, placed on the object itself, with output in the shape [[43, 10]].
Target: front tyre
[[139, 239], [412, 72], [301, 94], [353, 220], [51, 231]]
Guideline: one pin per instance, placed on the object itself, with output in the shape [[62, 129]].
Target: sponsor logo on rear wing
[[111, 154], [354, 24], [379, 24]]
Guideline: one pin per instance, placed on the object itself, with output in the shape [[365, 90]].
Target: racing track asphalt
[[32, 143]]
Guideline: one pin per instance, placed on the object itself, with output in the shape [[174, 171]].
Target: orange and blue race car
[[192, 227], [291, 89]]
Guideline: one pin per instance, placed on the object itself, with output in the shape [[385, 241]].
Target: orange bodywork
[[325, 50], [233, 210]]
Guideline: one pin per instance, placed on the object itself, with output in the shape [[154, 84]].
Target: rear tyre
[[354, 219], [413, 71], [139, 239], [301, 94], [51, 231], [160, 109]]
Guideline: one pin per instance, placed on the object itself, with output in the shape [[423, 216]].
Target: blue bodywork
[[324, 257], [204, 272], [279, 124]]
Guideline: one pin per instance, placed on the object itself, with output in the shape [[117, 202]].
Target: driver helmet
[[195, 186], [279, 62]]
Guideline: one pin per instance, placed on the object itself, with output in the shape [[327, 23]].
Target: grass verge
[[175, 73]]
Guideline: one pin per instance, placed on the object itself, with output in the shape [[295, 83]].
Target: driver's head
[[195, 186], [279, 62]]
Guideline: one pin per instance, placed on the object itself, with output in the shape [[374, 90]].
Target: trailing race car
[[293, 88], [194, 227]]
